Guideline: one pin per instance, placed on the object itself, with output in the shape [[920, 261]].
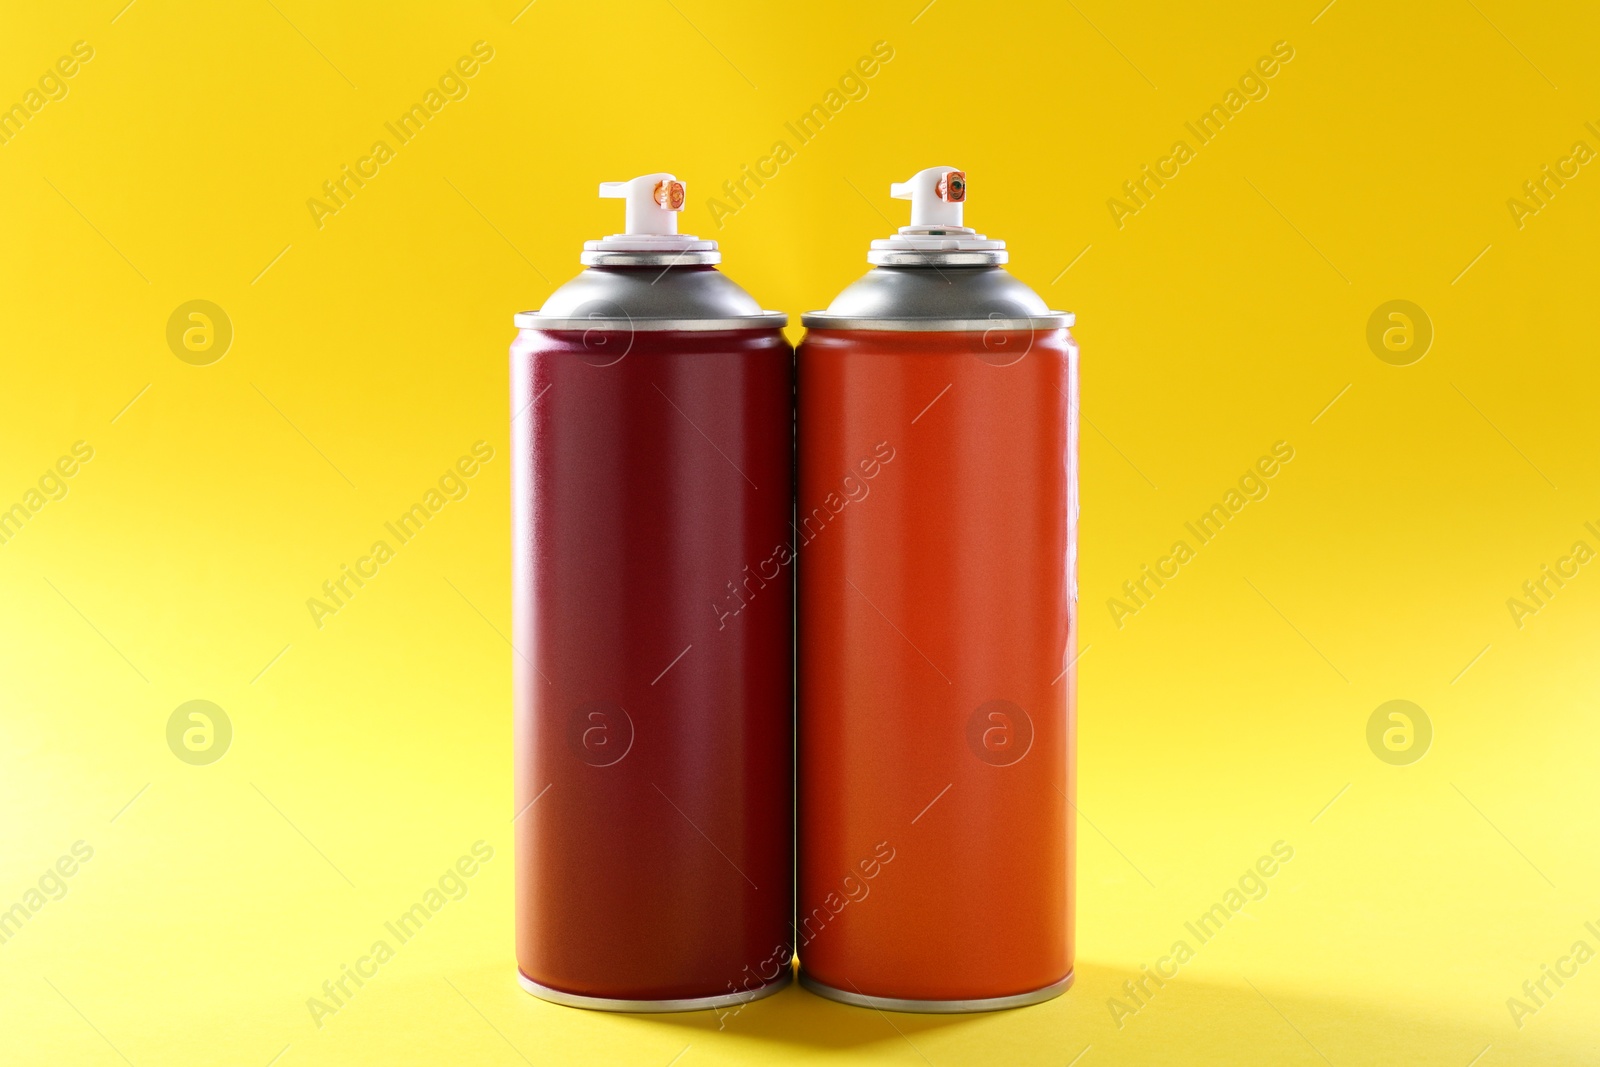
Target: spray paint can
[[937, 503], [652, 484]]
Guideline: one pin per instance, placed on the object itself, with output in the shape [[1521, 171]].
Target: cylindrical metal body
[[652, 483], [937, 511]]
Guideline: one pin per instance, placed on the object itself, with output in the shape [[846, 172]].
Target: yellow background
[[370, 354]]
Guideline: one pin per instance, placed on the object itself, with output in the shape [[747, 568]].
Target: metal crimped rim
[[936, 1007], [938, 257], [1055, 320], [615, 258], [767, 320], [723, 1000]]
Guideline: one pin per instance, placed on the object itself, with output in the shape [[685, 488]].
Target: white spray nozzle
[[652, 203], [936, 196]]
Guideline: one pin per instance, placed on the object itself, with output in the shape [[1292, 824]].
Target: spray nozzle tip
[[652, 202], [936, 196], [669, 194]]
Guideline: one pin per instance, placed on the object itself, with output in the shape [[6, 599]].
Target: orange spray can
[[936, 522]]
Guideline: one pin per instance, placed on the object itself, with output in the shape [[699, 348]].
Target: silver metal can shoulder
[[937, 298], [648, 297]]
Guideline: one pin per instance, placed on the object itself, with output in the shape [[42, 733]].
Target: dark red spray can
[[652, 484]]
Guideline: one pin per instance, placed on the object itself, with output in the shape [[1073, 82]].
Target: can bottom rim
[[721, 1000], [937, 1007]]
